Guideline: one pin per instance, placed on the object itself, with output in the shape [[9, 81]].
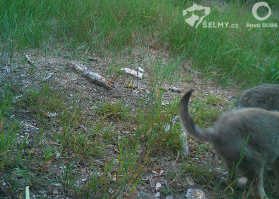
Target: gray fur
[[264, 96], [228, 137]]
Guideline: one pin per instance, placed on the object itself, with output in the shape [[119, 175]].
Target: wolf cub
[[264, 96], [253, 131]]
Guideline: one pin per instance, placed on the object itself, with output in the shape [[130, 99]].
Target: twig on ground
[[91, 76]]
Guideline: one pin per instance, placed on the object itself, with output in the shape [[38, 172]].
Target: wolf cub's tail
[[186, 120]]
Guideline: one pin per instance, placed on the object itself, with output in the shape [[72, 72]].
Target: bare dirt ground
[[61, 77]]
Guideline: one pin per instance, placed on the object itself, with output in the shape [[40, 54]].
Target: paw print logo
[[195, 14]]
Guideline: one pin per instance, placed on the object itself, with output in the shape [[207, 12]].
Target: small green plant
[[85, 144], [8, 129], [155, 126], [114, 70], [43, 102], [203, 112], [116, 177], [8, 140], [213, 100], [48, 154], [197, 172], [68, 178], [165, 72], [111, 110]]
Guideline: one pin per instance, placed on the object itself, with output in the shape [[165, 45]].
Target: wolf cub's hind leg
[[254, 172]]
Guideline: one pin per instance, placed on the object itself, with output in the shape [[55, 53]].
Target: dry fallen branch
[[91, 76]]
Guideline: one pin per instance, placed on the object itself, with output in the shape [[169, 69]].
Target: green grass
[[114, 111], [84, 138], [205, 109], [247, 56], [77, 138], [8, 129]]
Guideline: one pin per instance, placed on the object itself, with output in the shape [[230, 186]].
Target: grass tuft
[[220, 53]]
